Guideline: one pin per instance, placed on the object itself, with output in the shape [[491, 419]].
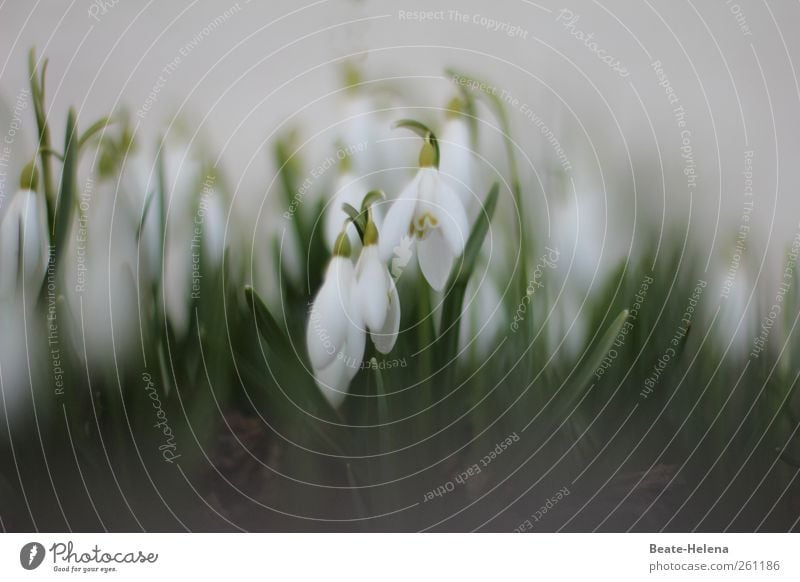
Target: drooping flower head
[[24, 245], [430, 211], [377, 294], [351, 301], [335, 334]]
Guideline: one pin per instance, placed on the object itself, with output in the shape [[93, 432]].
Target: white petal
[[24, 222], [329, 319], [332, 382], [435, 259], [398, 219], [334, 378], [428, 184], [385, 338], [356, 342], [452, 218], [372, 287]]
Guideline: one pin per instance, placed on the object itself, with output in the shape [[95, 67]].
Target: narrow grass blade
[[595, 358], [63, 217], [456, 288], [267, 325]]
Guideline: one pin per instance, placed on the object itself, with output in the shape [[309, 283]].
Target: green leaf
[[476, 238], [595, 357], [147, 204], [304, 393], [63, 217], [370, 198], [267, 325], [790, 459], [51, 152], [359, 218], [162, 207], [37, 96], [97, 126], [456, 288], [289, 172]]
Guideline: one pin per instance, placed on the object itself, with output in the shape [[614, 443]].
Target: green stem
[[45, 150], [516, 184], [426, 322]]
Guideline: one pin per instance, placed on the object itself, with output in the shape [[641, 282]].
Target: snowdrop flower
[[335, 335], [429, 209], [376, 293], [23, 239]]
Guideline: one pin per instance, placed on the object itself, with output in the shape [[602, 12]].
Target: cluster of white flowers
[[115, 244], [363, 297]]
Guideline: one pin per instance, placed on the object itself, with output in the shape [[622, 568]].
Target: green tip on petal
[[428, 156], [341, 248], [370, 232], [29, 177]]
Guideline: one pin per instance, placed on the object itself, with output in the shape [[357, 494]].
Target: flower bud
[[29, 177], [341, 248]]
